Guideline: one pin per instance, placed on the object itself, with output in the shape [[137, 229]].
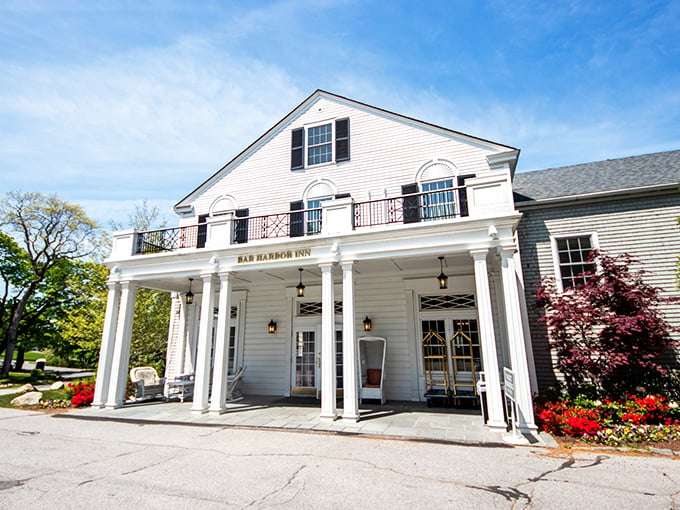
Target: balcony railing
[[170, 239], [305, 222], [428, 206]]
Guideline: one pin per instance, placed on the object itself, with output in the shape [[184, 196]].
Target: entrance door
[[459, 362], [306, 360]]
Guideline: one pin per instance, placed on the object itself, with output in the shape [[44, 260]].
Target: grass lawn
[[47, 395], [30, 355]]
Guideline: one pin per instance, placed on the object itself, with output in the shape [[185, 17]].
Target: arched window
[[436, 182]]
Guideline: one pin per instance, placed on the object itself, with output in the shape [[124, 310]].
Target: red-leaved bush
[[606, 332]]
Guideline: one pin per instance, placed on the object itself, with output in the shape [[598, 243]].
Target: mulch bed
[[571, 443]]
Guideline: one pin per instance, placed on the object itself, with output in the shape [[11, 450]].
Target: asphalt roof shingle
[[610, 175]]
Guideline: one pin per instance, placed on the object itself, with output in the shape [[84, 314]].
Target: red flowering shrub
[[82, 393]]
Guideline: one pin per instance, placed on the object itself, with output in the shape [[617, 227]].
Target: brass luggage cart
[[436, 370], [462, 357]]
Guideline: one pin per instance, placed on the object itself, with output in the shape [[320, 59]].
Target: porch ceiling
[[410, 267]]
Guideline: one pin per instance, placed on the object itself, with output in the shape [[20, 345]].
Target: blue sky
[[111, 103]]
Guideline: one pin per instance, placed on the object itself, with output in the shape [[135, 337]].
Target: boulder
[[26, 387], [57, 385], [32, 398]]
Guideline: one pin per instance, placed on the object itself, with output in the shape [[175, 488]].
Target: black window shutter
[[202, 233], [297, 219], [462, 195], [241, 226], [342, 140], [411, 204], [297, 159]]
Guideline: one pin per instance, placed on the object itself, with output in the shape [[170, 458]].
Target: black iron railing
[[305, 222], [167, 239], [413, 208]]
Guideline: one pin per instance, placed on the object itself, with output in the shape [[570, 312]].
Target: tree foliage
[[41, 234], [607, 332]]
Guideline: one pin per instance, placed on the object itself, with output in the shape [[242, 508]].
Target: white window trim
[[556, 258], [306, 128]]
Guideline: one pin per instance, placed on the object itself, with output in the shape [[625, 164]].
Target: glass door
[[307, 357], [451, 354]]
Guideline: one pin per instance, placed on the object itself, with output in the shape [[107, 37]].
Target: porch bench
[[147, 383]]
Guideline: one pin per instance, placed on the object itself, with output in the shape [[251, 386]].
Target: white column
[[108, 341], [494, 398], [121, 350], [180, 349], [218, 397], [202, 379], [328, 384], [190, 339], [349, 346], [518, 355]]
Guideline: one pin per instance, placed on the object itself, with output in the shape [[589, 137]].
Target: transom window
[[572, 259], [320, 144]]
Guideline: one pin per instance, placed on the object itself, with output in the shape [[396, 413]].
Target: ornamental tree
[[607, 332]]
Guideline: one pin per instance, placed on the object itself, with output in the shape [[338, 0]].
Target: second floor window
[[438, 200], [314, 216]]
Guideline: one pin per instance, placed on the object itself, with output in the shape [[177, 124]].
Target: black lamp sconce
[[442, 278], [300, 286], [271, 327], [368, 325], [190, 295]]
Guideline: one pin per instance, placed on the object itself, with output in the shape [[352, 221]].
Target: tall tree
[[50, 231]]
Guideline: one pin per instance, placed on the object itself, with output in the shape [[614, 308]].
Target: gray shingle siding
[[644, 226]]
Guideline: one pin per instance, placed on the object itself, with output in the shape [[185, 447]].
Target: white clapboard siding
[[385, 154], [174, 347], [644, 227]]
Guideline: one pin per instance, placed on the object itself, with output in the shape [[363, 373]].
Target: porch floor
[[396, 420]]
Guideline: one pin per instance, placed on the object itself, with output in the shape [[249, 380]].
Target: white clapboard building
[[342, 221]]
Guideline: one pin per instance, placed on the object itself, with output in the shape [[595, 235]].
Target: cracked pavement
[[66, 463]]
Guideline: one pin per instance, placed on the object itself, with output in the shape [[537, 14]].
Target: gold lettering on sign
[[277, 255]]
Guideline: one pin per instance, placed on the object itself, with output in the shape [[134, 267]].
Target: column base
[[497, 425], [350, 418], [328, 417], [199, 410], [115, 405], [218, 411], [516, 439]]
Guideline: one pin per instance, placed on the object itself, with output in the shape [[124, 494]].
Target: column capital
[[326, 266], [227, 273], [347, 265], [128, 284], [207, 276], [507, 251], [479, 253]]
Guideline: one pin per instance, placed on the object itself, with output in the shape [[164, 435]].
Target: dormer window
[[325, 143]]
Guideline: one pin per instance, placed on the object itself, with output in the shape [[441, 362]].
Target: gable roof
[[613, 175], [185, 202]]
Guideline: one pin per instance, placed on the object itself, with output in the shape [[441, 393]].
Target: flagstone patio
[[395, 420]]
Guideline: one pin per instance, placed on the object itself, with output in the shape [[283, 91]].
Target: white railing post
[[220, 231], [124, 242], [337, 216]]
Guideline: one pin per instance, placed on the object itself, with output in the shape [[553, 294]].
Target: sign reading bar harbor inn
[[277, 255]]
